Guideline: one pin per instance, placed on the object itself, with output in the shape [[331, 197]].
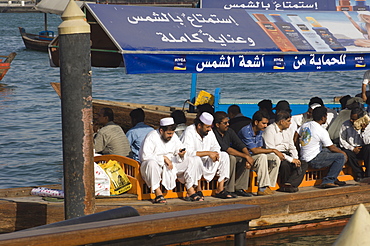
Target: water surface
[[30, 115]]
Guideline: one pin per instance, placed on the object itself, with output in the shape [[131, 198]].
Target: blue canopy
[[279, 5], [190, 40]]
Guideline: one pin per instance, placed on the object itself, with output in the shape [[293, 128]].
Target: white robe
[[194, 143], [153, 169]]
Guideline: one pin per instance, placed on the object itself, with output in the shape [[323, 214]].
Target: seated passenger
[[298, 120], [266, 105], [201, 143], [110, 139], [206, 107], [352, 142], [237, 119], [266, 161], [240, 159], [365, 95], [180, 120], [163, 159], [278, 136], [138, 132], [318, 150]]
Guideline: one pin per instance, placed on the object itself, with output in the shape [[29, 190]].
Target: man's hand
[[182, 153], [279, 154], [357, 150], [296, 162], [215, 156], [249, 162], [168, 162]]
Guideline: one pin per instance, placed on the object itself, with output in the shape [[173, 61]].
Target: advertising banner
[[179, 40], [292, 5]]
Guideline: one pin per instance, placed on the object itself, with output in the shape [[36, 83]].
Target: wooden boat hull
[[33, 41], [153, 113], [5, 65]]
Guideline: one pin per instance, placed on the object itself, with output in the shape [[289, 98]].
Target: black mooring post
[[76, 90], [240, 239]]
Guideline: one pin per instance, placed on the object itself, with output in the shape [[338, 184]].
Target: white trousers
[[188, 172], [153, 174], [267, 168], [220, 168]]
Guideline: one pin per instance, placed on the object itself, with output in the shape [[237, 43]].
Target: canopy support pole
[[193, 91], [77, 111], [45, 21]]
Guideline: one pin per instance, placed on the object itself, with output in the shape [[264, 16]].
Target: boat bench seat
[[132, 169]]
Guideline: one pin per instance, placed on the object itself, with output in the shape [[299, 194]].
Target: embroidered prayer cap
[[206, 118], [315, 105], [166, 121]]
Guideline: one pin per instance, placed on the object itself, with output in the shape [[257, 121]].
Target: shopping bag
[[102, 181], [119, 182]]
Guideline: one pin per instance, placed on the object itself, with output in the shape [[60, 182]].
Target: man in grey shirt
[[110, 139]]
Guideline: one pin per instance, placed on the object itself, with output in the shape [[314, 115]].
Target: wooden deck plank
[[308, 203], [133, 227]]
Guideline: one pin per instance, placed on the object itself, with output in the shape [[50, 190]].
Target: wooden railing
[[155, 229]]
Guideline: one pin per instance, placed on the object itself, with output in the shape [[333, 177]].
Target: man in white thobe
[[202, 145], [163, 160]]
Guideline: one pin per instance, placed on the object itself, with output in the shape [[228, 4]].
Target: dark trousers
[[354, 158], [289, 173]]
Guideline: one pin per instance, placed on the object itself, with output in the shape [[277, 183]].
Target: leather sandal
[[160, 199], [224, 195]]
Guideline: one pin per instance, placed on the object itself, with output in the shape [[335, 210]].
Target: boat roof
[[214, 40], [54, 6]]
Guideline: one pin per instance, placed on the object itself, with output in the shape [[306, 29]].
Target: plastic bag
[[119, 182], [102, 181], [47, 192]]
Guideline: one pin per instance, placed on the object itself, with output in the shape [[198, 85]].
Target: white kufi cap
[[206, 118], [166, 121], [315, 105]]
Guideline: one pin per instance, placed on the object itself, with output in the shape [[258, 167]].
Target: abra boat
[[39, 41], [5, 64], [42, 40]]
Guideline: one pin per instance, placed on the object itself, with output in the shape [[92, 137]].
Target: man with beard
[[163, 159], [266, 161], [240, 159], [201, 143]]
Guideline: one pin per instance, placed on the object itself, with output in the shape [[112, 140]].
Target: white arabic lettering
[[223, 63], [256, 62], [267, 6], [319, 61]]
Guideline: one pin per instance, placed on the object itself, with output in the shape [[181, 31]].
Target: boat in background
[[42, 40], [5, 64], [39, 41]]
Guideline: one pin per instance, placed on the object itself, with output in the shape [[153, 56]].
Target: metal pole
[[76, 89], [240, 239], [45, 21], [193, 91]]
